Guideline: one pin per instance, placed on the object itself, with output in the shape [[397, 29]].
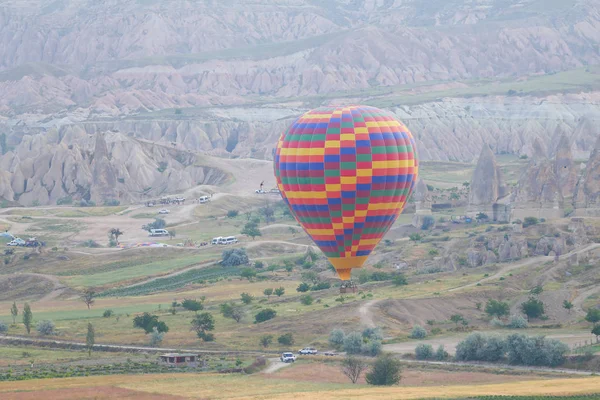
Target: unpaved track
[[116, 347], [365, 311], [275, 365], [529, 261]]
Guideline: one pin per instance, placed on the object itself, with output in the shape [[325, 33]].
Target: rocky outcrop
[[422, 200], [488, 192], [587, 194], [564, 168], [538, 192], [103, 167]]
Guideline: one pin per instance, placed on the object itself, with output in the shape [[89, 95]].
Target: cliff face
[[487, 184], [100, 168], [587, 194]]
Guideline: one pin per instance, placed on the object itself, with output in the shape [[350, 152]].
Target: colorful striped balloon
[[346, 174]]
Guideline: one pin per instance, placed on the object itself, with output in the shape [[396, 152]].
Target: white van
[[216, 240], [158, 232], [203, 199], [229, 240]]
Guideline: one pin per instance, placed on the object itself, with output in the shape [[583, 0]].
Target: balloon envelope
[[346, 174]]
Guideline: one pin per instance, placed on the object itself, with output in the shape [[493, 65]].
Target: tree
[[147, 322], [441, 354], [496, 308], [192, 305], [567, 305], [27, 317], [248, 273], [428, 222], [353, 343], [115, 233], [310, 276], [272, 268], [232, 213], [14, 311], [279, 291], [306, 299], [400, 280], [287, 339], [593, 315], [268, 212], [424, 351], [246, 298], [480, 347], [265, 315], [596, 331], [415, 237], [234, 257], [532, 308], [457, 319], [336, 338], [90, 338], [46, 328], [385, 371], [172, 234], [268, 292], [107, 313], [536, 291], [252, 230], [418, 332], [88, 297], [353, 368], [3, 327], [156, 337], [529, 221], [265, 340], [232, 311], [481, 216], [202, 324]]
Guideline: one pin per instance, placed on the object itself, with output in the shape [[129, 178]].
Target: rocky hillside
[[71, 166], [226, 78]]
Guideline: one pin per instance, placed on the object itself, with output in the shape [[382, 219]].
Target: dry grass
[[218, 386]]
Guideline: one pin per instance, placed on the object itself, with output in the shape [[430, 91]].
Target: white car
[[287, 357], [308, 350], [164, 211], [260, 191], [16, 242]]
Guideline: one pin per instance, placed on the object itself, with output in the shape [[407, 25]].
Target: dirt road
[[275, 365]]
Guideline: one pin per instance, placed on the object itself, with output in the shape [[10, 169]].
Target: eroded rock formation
[[488, 192]]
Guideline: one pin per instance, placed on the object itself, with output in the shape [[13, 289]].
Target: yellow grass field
[[219, 386]]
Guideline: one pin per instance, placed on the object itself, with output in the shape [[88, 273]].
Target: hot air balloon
[[346, 174]]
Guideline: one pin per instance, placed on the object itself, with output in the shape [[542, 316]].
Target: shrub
[[535, 350], [232, 213], [156, 337], [64, 201], [46, 327], [428, 222], [246, 298], [353, 343], [371, 348], [112, 203], [91, 243], [265, 315], [265, 340], [533, 308], [418, 332], [480, 347], [424, 352], [306, 299], [320, 286], [593, 315], [107, 313], [441, 354], [400, 280], [495, 308], [336, 338], [529, 221], [234, 257], [372, 334], [232, 311], [192, 305], [148, 321], [497, 323], [517, 322], [303, 287], [259, 264], [385, 372], [3, 327], [286, 339]]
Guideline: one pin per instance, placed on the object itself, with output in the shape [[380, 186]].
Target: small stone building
[[179, 359]]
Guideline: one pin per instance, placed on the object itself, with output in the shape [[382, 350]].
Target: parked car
[[287, 357], [260, 191], [228, 240], [158, 232], [164, 211], [308, 351], [203, 199], [330, 353], [216, 240], [16, 242]]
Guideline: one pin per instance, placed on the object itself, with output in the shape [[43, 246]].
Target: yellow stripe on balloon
[[306, 195], [347, 136], [332, 144]]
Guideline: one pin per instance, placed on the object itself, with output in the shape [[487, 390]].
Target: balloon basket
[[348, 287]]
